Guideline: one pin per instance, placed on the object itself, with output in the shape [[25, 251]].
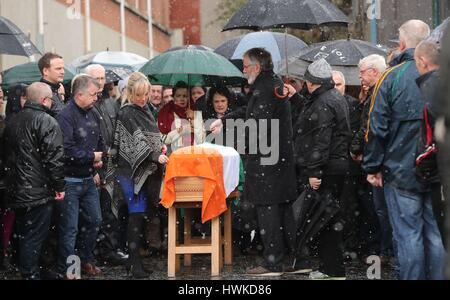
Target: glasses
[[364, 71], [248, 66]]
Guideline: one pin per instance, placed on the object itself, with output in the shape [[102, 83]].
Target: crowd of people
[[81, 176]]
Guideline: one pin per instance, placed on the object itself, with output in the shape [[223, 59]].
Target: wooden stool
[[189, 195]]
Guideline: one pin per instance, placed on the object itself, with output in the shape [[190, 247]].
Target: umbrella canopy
[[301, 14], [29, 73], [122, 63], [278, 44], [342, 55], [438, 33], [193, 66], [112, 77], [13, 41], [198, 47]]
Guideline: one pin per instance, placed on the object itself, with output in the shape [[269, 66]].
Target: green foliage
[[227, 8]]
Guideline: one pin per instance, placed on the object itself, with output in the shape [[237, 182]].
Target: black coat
[[322, 134], [358, 141], [107, 110], [356, 109], [34, 155], [430, 87], [58, 104], [269, 184]]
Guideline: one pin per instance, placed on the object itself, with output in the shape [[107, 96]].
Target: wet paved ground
[[201, 271]]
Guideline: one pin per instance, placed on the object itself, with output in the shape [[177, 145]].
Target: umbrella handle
[[282, 96]]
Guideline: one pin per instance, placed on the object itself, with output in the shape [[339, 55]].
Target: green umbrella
[[193, 66], [27, 74]]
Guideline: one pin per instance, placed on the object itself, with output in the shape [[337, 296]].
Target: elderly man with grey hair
[[84, 148], [395, 121], [107, 110], [34, 138], [362, 231]]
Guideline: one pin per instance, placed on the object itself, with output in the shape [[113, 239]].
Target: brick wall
[[185, 15], [107, 12]]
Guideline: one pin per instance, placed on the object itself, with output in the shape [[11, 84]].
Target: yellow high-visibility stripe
[[375, 93]]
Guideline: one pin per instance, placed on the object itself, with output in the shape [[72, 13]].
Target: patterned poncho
[[136, 148]]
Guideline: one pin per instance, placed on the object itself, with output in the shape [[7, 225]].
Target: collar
[[323, 88], [422, 79], [81, 110], [407, 55], [37, 106], [53, 86], [262, 76]]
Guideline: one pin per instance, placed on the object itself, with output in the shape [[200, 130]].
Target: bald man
[[390, 159], [34, 138], [427, 57]]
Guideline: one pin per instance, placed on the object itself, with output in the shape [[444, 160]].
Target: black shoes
[[137, 271], [114, 259]]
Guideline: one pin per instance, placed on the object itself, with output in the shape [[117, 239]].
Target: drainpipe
[[373, 22], [123, 37], [40, 35], [436, 13], [87, 25], [150, 29]]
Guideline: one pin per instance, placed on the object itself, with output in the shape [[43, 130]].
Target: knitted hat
[[319, 72]]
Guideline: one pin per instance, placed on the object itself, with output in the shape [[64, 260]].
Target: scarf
[[166, 116], [136, 138]]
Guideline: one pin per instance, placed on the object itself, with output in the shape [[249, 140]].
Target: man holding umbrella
[[271, 188], [321, 146]]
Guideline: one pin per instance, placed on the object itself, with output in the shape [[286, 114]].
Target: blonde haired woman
[[137, 155]]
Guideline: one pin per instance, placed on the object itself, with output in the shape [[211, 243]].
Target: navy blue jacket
[[82, 137], [395, 122]]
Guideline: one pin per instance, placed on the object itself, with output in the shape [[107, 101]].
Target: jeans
[[33, 226], [80, 209], [420, 251], [379, 201]]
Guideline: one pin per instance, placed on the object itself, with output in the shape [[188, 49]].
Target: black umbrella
[[300, 14], [312, 213], [112, 77], [342, 55], [13, 41]]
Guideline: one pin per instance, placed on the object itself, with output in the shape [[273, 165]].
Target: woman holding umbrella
[[180, 125]]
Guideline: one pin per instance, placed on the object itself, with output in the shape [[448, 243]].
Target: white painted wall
[[63, 34]]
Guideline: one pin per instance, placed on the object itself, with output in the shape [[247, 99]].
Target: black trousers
[[33, 226], [361, 225], [108, 238], [330, 239], [277, 231]]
